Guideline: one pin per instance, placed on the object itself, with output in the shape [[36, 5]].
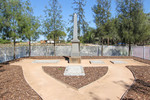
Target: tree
[[11, 14], [132, 26], [53, 21], [59, 36], [111, 30], [70, 29], [1, 16], [4, 16], [101, 16], [78, 6], [30, 25], [89, 36]]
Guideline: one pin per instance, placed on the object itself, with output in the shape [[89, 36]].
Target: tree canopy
[[53, 22]]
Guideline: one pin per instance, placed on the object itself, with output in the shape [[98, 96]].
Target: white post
[[143, 52]]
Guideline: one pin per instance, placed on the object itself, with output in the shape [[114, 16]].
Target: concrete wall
[[115, 50], [6, 53]]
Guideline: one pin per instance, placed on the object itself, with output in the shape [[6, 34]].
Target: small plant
[[60, 68]]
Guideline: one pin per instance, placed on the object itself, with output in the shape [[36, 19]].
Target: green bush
[[4, 41]]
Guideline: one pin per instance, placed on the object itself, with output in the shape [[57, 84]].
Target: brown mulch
[[13, 85], [140, 90], [91, 74]]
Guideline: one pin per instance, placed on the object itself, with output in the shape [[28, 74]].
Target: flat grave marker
[[45, 61], [74, 71], [96, 62], [118, 62]]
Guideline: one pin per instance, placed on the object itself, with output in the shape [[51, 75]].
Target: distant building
[[47, 41], [43, 41], [50, 41]]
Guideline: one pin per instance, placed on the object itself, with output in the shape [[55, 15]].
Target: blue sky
[[39, 6]]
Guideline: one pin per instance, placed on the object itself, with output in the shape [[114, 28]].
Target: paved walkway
[[110, 87]]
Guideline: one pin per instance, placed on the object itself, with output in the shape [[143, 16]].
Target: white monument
[[75, 52]]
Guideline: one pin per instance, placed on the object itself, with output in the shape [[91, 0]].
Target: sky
[[39, 7]]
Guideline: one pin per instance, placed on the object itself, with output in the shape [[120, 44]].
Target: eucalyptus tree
[[133, 28], [4, 19], [1, 18], [11, 14], [101, 16], [111, 30], [53, 20], [30, 25]]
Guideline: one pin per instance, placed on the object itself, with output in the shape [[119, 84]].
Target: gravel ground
[[140, 90], [91, 74], [13, 85]]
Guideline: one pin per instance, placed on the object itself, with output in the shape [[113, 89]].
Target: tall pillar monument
[[75, 51]]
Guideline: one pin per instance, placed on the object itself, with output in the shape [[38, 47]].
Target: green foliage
[[11, 18], [101, 16], [111, 29], [132, 21], [60, 35], [30, 23], [4, 41], [101, 12], [89, 36], [16, 21], [70, 29], [53, 21]]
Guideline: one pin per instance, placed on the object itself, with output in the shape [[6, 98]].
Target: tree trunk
[[54, 45], [29, 48], [129, 49], [107, 41], [14, 49], [102, 48]]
